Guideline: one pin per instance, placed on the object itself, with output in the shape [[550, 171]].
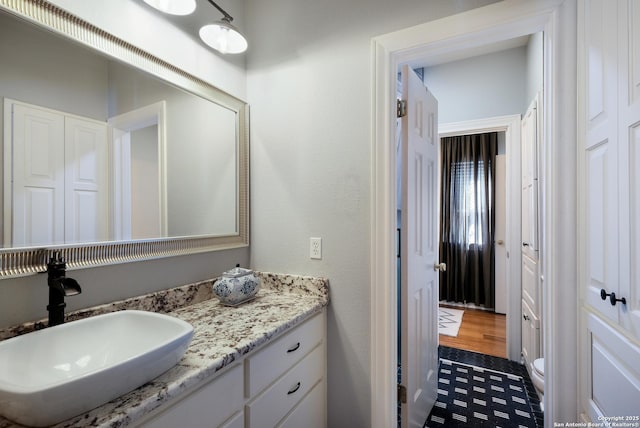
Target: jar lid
[[237, 272]]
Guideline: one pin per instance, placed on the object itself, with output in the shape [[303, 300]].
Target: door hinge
[[401, 108], [402, 394]]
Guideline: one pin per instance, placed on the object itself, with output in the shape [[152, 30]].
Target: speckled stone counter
[[221, 335]]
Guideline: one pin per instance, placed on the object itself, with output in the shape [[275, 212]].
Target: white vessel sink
[[59, 372]]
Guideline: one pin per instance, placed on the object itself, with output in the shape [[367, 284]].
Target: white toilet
[[537, 377]]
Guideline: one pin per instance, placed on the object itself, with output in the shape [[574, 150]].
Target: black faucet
[[59, 287]]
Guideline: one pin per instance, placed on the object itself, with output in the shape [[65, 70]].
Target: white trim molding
[[493, 23]]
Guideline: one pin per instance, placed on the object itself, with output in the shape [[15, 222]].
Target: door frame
[[510, 125], [496, 22]]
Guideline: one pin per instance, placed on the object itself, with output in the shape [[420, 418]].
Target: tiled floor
[[523, 406]]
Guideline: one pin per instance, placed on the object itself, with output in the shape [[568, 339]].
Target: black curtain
[[467, 218]]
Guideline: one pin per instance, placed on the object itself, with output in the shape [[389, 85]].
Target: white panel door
[[601, 157], [86, 181], [629, 164], [529, 164], [610, 146], [37, 201], [419, 284]]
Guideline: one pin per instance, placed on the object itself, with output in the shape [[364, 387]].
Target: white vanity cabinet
[[212, 405], [282, 384], [281, 375]]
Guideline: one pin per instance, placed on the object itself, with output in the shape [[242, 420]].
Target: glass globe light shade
[[173, 7], [223, 37]]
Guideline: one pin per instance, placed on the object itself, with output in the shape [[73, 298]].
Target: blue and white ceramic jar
[[236, 286]]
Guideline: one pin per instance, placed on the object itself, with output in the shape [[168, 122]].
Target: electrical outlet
[[315, 248]]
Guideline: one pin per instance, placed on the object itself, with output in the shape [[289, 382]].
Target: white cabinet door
[[614, 372], [530, 336], [600, 152], [530, 293], [34, 163], [56, 177], [629, 164], [609, 75], [86, 181]]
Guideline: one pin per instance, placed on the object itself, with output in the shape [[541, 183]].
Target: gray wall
[[201, 155], [309, 86], [496, 84], [41, 70], [145, 170], [480, 87]]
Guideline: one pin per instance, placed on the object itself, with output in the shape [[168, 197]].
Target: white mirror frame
[[25, 261]]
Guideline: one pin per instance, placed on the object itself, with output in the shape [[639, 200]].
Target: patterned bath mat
[[471, 396], [449, 321]]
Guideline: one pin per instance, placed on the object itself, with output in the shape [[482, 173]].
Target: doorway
[[508, 129], [557, 20], [138, 141], [484, 79]]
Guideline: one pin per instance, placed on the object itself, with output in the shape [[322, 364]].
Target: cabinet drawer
[[310, 412], [277, 400], [236, 421], [271, 362], [530, 336], [210, 405]]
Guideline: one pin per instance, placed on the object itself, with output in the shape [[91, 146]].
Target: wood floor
[[480, 331]]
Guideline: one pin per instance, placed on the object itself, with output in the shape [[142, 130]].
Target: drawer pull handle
[[612, 297], [613, 300], [294, 389], [295, 348]]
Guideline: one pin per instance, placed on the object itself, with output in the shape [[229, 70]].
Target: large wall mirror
[[108, 153]]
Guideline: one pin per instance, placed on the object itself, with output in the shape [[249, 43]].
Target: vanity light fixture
[[222, 36], [173, 7]]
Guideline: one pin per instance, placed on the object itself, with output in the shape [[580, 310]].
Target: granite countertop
[[221, 335]]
